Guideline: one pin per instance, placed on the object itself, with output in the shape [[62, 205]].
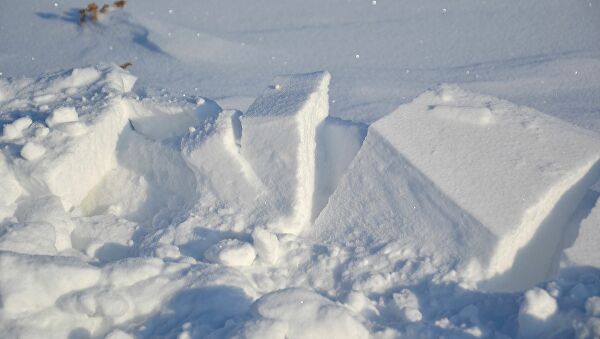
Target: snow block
[[86, 158], [478, 180], [278, 140]]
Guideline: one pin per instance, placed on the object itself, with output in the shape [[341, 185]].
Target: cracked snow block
[[278, 140], [479, 181]]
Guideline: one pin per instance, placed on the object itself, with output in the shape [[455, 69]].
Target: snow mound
[[484, 183], [279, 141]]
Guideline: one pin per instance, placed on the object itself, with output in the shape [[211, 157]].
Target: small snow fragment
[[538, 304], [592, 306], [374, 2], [357, 56], [406, 306], [299, 313], [200, 101], [61, 115], [32, 151], [41, 131], [266, 245], [277, 86], [536, 312], [15, 129], [167, 251], [231, 252], [72, 128], [118, 334]]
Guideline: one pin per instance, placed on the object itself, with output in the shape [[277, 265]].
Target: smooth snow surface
[[439, 180]]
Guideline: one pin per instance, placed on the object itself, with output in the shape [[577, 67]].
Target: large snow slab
[[278, 140], [476, 177]]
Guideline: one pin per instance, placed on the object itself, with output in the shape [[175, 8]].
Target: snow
[[62, 115], [584, 251], [536, 312], [438, 180], [279, 141], [297, 313], [497, 178], [231, 252]]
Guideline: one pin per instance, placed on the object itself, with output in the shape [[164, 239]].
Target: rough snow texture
[[476, 178], [279, 141]]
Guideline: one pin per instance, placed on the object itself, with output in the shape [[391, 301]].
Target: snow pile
[[473, 178], [128, 215]]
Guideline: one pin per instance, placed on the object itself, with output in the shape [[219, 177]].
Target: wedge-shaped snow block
[[278, 141], [480, 182]]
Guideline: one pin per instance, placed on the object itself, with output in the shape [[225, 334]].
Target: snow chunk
[[61, 115], [406, 306], [299, 313], [266, 245], [30, 283], [231, 252], [535, 312], [15, 129], [120, 80], [105, 237], [278, 140], [10, 189], [79, 77], [28, 238], [48, 209], [32, 151], [471, 177]]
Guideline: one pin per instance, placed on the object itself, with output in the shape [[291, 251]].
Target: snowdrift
[[170, 216]]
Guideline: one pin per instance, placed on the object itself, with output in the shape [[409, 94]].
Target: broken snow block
[[278, 140], [226, 175], [84, 159], [479, 181]]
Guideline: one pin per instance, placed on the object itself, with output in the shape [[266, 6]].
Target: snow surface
[[202, 194]]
